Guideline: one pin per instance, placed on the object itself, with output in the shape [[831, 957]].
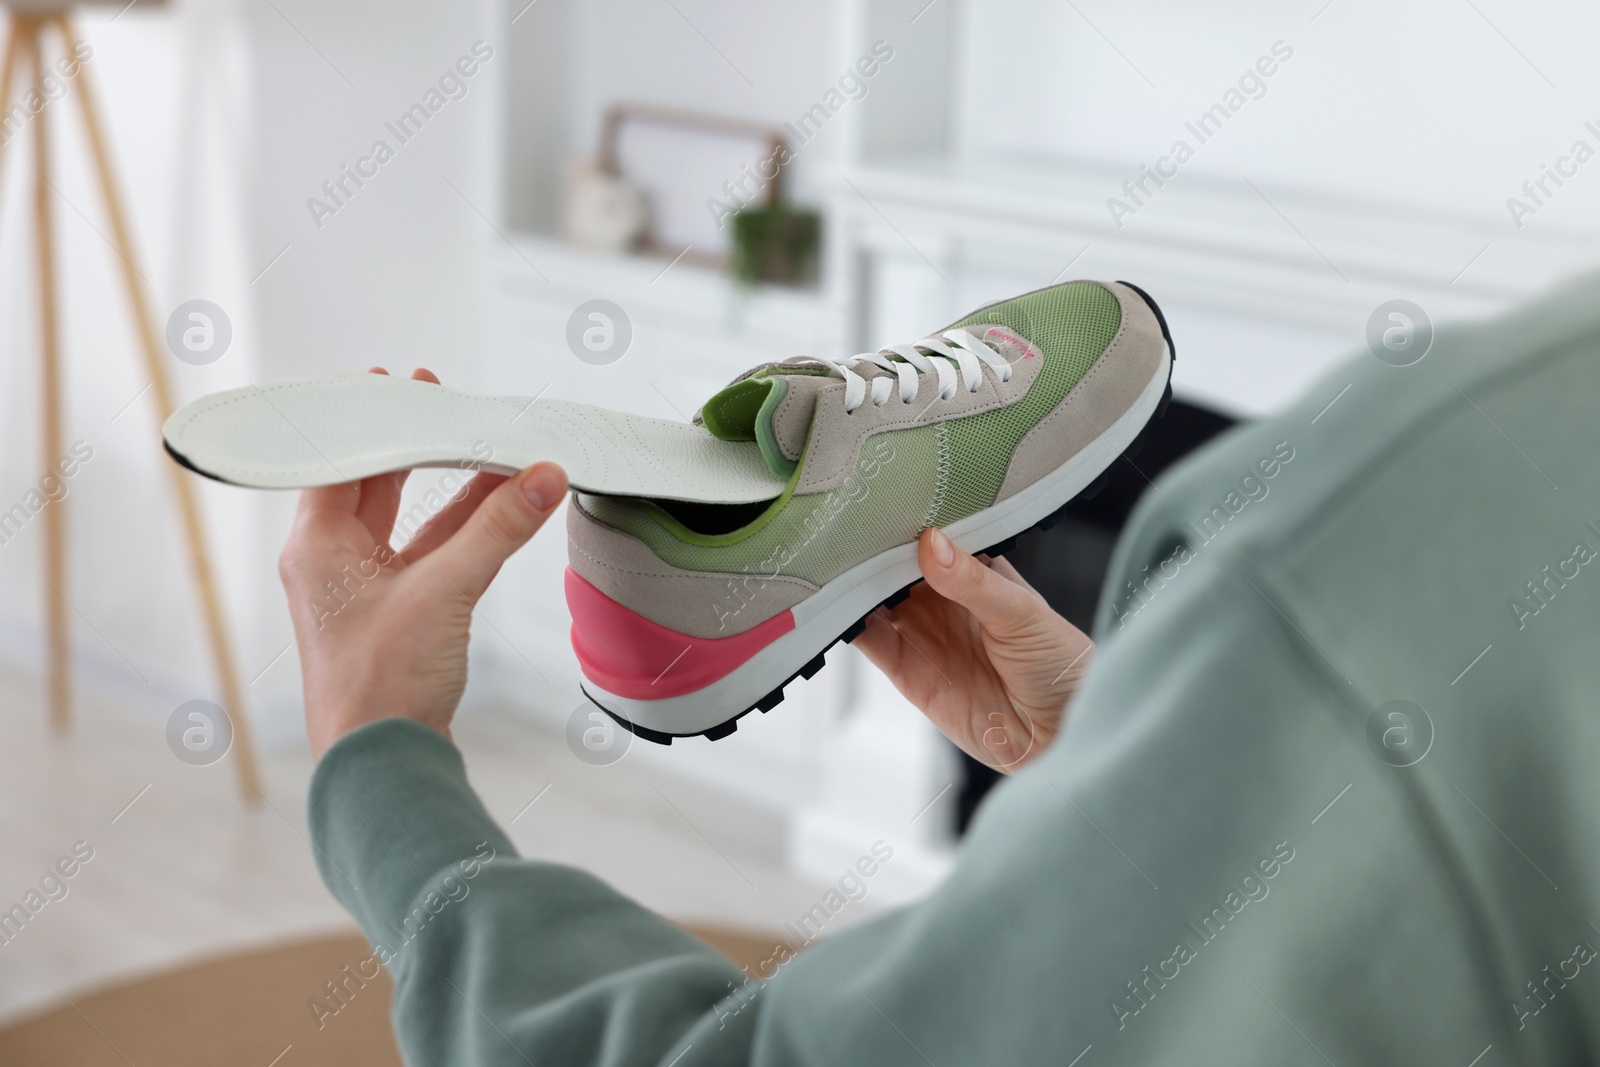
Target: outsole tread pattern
[[855, 629]]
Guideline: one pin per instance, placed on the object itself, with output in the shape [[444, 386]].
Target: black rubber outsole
[[854, 630]]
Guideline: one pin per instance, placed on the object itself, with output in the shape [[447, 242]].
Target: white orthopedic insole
[[342, 427]]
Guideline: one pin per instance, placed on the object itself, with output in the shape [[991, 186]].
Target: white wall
[[767, 62], [395, 277], [1426, 104], [392, 276]]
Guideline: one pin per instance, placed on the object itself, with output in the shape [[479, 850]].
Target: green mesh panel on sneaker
[[886, 501], [1072, 324]]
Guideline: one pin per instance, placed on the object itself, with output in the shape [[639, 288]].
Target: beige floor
[[182, 869]]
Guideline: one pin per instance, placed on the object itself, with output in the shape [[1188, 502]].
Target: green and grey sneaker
[[685, 616]]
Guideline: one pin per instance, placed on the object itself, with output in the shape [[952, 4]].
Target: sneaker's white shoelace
[[957, 347]]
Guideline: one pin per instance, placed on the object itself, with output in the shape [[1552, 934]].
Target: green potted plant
[[776, 244]]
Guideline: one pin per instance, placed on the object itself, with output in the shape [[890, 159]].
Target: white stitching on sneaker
[[941, 484]]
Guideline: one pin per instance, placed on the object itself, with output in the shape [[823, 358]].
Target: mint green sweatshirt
[[1329, 795]]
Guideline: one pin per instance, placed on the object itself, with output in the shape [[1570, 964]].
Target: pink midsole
[[629, 655]]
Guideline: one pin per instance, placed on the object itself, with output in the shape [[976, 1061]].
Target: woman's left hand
[[384, 633]]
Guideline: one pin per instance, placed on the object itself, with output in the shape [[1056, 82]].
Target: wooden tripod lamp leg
[[55, 524], [188, 509], [8, 69]]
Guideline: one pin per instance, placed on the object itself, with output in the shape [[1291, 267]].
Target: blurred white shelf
[[1266, 289], [1302, 258], [680, 295]]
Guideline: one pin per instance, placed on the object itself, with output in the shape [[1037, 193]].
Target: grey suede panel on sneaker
[[837, 435], [791, 423], [697, 603], [1108, 389]]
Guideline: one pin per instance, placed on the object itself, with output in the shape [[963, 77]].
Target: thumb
[[499, 526], [1000, 605]]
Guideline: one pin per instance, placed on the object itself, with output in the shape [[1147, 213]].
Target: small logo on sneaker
[[1006, 337]]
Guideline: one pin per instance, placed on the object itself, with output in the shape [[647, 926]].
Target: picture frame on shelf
[[695, 170]]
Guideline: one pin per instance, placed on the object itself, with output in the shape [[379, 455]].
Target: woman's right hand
[[978, 650]]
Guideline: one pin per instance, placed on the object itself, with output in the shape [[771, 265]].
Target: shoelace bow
[[958, 347]]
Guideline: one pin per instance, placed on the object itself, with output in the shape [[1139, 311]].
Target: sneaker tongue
[[772, 406]]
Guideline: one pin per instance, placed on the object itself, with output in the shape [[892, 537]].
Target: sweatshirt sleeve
[[498, 959]]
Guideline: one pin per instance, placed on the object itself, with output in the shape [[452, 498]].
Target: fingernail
[[944, 552], [542, 488]]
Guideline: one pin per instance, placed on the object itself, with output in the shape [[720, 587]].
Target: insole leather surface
[[307, 432]]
